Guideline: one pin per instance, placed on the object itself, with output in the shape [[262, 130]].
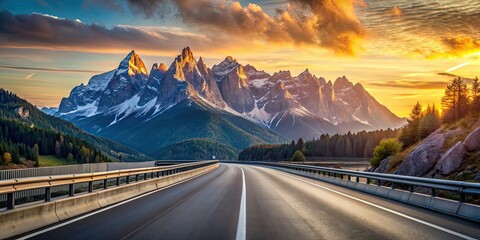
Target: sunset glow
[[397, 50]]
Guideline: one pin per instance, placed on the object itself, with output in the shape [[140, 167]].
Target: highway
[[251, 202]]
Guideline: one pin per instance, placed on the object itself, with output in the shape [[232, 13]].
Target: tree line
[[18, 140], [359, 145]]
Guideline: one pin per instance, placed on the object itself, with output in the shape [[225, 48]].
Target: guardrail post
[[394, 185], [10, 201], [136, 178], [48, 194], [118, 181], [349, 178], [368, 180], [434, 192], [152, 174], [357, 179], [71, 190], [411, 188], [90, 186], [105, 183], [145, 176], [379, 182], [463, 197], [127, 180]]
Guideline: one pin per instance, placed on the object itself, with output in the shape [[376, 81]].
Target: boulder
[[451, 160], [472, 141], [384, 165], [424, 156]]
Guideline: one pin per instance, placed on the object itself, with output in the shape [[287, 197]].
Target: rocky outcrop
[[233, 85], [472, 141], [450, 160], [384, 165], [424, 156]]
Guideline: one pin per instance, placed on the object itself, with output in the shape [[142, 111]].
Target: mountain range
[[228, 107]]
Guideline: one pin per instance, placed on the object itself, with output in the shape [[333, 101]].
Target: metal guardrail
[[9, 187], [333, 159], [461, 188], [63, 170]]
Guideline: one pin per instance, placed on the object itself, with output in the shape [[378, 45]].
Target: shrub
[[387, 147], [298, 157]]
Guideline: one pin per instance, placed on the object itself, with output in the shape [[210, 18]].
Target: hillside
[[197, 148], [16, 109], [437, 145], [442, 154], [20, 142], [186, 120]]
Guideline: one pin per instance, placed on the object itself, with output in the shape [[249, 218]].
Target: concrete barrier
[[73, 206], [114, 195], [399, 195], [28, 218], [445, 205], [469, 211], [24, 219]]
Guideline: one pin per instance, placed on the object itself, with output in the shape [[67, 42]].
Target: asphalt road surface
[[251, 202]]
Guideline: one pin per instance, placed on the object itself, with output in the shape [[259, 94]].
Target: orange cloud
[[331, 24], [395, 11], [458, 47]]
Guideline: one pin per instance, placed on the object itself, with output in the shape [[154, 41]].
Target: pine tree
[[475, 94], [455, 100], [409, 133]]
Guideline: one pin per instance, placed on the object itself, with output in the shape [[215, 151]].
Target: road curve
[[276, 205]]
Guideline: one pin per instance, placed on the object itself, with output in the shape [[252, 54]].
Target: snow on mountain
[[293, 106]]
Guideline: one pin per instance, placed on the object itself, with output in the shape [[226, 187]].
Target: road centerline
[[446, 230], [242, 215]]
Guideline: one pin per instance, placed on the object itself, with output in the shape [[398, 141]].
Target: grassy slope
[[51, 160]]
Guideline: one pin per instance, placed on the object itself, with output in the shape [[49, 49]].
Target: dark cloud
[[331, 24], [43, 31], [411, 84]]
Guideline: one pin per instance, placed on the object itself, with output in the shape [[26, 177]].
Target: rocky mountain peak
[[133, 65], [225, 66], [342, 83], [230, 59], [184, 62], [187, 54], [282, 75], [162, 67], [305, 75]]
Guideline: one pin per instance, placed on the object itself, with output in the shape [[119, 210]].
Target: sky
[[401, 51]]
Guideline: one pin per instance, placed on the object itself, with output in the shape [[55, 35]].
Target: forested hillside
[[18, 140], [359, 144], [32, 127]]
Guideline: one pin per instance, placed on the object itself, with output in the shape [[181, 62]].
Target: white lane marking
[[242, 215], [102, 210], [387, 209]]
